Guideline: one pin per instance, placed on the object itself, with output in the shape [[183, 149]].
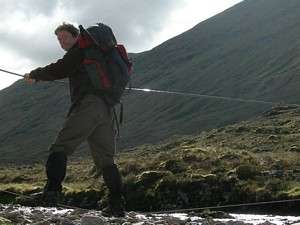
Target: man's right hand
[[28, 79]]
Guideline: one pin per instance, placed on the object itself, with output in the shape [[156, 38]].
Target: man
[[89, 118]]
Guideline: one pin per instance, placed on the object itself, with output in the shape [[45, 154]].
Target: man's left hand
[[28, 79]]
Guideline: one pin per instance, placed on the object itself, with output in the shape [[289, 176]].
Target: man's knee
[[60, 148], [102, 163]]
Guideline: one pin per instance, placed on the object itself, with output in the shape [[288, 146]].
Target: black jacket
[[70, 66]]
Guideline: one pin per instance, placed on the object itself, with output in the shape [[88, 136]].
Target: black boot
[[46, 198], [56, 171], [113, 181]]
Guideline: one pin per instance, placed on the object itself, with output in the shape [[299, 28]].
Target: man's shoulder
[[74, 52]]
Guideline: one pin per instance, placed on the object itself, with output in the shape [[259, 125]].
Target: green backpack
[[106, 62]]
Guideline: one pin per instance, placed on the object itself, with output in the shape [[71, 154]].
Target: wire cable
[[224, 206], [209, 96], [20, 75], [184, 94], [30, 198], [177, 210]]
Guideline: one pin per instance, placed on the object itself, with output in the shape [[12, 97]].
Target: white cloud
[[26, 28], [192, 13]]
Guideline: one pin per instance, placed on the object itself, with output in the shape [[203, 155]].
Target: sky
[[27, 26]]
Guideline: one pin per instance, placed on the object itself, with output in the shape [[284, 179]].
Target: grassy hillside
[[254, 161]]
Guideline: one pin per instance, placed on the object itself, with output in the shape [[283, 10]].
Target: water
[[41, 212], [258, 219], [249, 218]]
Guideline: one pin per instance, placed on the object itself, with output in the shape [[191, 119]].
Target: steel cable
[[183, 94]]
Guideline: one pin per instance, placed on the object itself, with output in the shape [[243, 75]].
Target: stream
[[17, 214]]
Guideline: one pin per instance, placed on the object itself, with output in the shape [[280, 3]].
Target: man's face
[[66, 40]]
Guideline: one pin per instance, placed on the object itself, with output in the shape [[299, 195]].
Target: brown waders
[[94, 122]]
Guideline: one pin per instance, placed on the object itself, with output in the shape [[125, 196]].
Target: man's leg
[[102, 143], [56, 171], [78, 126], [113, 181]]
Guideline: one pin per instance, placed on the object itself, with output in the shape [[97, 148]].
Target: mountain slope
[[249, 51]]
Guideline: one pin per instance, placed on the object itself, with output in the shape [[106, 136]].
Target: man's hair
[[69, 28]]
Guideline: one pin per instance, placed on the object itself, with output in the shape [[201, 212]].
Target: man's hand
[[28, 79]]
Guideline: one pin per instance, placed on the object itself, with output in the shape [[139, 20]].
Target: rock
[[9, 214], [91, 220], [67, 222], [273, 173]]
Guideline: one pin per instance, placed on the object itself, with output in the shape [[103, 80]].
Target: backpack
[[107, 63]]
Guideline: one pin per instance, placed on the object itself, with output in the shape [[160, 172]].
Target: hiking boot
[[49, 197], [116, 211]]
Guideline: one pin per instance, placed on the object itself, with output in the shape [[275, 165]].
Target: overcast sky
[[28, 41]]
